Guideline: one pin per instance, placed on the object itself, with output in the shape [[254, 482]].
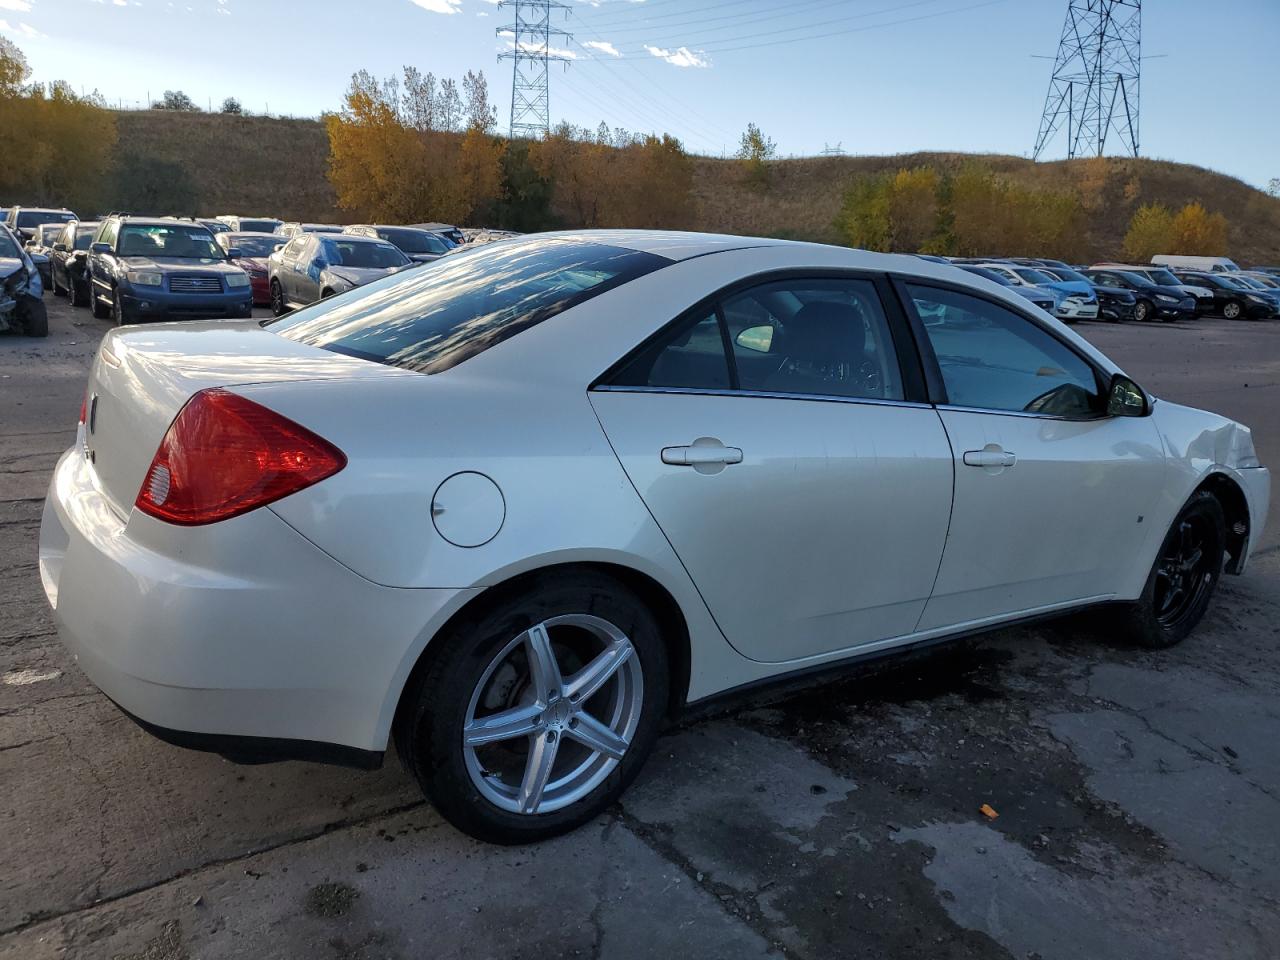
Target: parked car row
[[1169, 288]]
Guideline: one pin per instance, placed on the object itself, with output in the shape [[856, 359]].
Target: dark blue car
[[143, 269]]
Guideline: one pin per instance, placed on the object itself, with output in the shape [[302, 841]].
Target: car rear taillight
[[84, 408], [224, 455]]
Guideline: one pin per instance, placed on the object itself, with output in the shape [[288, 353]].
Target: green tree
[[147, 185], [756, 150], [176, 100], [1150, 232], [231, 105], [14, 69], [863, 220]]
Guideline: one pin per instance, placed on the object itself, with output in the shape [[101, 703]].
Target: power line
[[1094, 89], [531, 55]]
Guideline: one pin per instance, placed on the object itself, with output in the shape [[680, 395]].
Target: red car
[[254, 249]]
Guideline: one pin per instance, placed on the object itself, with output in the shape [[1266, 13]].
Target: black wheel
[[532, 718], [277, 299], [117, 309], [1183, 578], [79, 292], [1233, 310], [100, 310], [1142, 311]]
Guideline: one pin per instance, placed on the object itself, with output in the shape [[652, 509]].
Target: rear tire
[[1182, 579], [486, 666]]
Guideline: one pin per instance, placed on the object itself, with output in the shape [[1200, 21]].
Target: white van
[[1205, 264]]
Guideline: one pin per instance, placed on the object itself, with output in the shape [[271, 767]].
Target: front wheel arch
[[675, 630], [1235, 507]]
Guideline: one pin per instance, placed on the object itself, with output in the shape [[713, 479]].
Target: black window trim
[[911, 367], [933, 372]]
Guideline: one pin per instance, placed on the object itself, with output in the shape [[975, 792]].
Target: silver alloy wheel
[[1231, 310], [577, 728]]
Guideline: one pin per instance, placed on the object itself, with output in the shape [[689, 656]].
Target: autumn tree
[[1150, 232], [480, 114], [1198, 232], [755, 150], [863, 220]]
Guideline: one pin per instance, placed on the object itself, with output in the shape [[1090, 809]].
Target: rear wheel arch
[[1235, 508], [671, 620]]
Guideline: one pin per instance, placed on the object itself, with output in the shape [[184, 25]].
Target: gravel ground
[[1138, 793]]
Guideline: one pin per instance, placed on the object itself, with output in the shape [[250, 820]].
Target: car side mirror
[[101, 247], [60, 247], [233, 253], [759, 339], [1126, 399], [320, 263]]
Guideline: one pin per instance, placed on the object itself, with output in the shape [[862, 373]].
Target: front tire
[[1233, 310], [278, 308], [1183, 577], [100, 311], [533, 717], [1142, 311]]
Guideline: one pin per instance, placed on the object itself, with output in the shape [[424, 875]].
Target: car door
[[102, 265], [1051, 494], [780, 438], [291, 269]]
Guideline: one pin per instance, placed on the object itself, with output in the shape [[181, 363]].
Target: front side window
[[446, 312], [992, 358], [807, 337]]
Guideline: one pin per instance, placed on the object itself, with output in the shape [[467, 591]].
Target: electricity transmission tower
[[530, 56], [1094, 88]]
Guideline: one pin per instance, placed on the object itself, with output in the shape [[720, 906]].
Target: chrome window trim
[[992, 411], [764, 394]]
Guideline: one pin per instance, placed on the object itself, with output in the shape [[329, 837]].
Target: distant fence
[[247, 108]]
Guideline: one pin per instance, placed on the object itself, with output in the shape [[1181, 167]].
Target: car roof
[[352, 237], [156, 221]]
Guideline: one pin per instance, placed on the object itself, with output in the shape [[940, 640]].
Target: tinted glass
[[84, 235], [690, 357], [31, 218], [814, 337], [49, 233], [413, 241], [362, 253], [250, 246], [1033, 276], [7, 247], [993, 359], [439, 315], [1162, 276], [988, 274], [1062, 273], [258, 226], [156, 240]]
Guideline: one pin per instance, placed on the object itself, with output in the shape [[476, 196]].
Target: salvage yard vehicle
[[151, 269], [420, 245], [255, 249], [1044, 299], [1153, 300], [519, 508], [1231, 298], [24, 220], [40, 249], [1206, 264], [1074, 299], [1165, 277], [69, 261], [22, 307], [313, 266], [287, 230], [250, 224]]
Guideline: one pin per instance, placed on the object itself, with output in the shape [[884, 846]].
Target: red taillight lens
[[224, 455], [84, 407]]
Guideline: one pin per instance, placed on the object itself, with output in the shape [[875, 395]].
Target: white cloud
[[683, 57], [604, 46], [26, 29], [18, 6], [438, 6], [537, 48]]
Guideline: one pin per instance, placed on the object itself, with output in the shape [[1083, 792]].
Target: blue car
[[150, 269], [1076, 298], [1046, 300]]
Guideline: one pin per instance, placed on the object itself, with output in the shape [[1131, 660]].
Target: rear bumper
[[233, 637], [261, 287]]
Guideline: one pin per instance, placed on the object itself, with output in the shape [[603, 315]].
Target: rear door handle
[[693, 456], [989, 458]]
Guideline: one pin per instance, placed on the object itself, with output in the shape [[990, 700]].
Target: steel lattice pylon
[[531, 55], [1094, 88]]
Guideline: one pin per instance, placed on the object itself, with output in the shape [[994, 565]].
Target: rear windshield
[[362, 253], [249, 246], [414, 241], [258, 226], [30, 218], [436, 316]]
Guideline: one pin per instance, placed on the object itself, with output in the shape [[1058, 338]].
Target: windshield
[[49, 233], [362, 253], [32, 218], [1249, 282], [1163, 276], [215, 226], [1062, 273], [1034, 276], [1137, 279], [1231, 283], [989, 274], [250, 246], [7, 247], [414, 241], [157, 240], [437, 316], [84, 235], [258, 226]]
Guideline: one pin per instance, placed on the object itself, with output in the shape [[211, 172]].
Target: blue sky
[[876, 76]]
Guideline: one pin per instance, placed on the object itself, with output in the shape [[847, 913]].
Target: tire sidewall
[[435, 726], [1232, 311], [1142, 311]]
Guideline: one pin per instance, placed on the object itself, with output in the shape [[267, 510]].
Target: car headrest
[[826, 331]]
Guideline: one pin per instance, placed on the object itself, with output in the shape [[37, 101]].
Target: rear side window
[[437, 316]]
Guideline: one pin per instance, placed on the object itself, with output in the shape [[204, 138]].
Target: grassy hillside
[[258, 165]]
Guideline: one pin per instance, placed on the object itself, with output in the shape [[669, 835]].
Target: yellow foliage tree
[[1150, 232], [1198, 232]]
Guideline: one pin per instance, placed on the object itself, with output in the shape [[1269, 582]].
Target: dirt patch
[[330, 900]]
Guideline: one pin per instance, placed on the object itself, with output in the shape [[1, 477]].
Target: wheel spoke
[[543, 669], [507, 725], [1192, 559], [586, 683], [590, 732], [537, 771]]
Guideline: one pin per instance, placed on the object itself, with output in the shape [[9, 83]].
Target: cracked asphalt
[[1138, 793]]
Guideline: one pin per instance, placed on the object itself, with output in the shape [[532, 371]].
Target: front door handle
[[701, 455], [989, 456]]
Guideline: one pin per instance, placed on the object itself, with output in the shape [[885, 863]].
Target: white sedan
[[517, 509]]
